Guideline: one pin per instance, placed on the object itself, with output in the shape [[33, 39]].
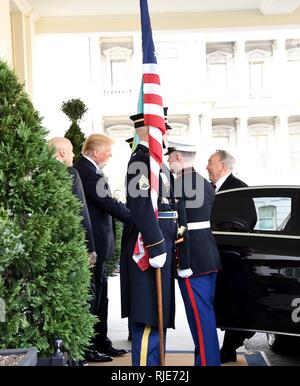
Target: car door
[[258, 235]]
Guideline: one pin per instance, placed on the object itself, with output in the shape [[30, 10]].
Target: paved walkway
[[177, 340]]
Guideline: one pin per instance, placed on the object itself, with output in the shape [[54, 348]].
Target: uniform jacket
[[138, 288], [101, 208], [78, 191], [198, 250]]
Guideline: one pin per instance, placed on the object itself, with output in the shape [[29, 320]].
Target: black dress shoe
[[80, 362], [114, 352], [95, 356], [228, 356]]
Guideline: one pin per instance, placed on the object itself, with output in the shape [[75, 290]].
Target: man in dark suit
[[64, 153], [198, 257], [220, 166], [138, 282], [102, 207]]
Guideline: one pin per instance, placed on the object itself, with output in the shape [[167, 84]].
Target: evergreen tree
[[44, 271], [75, 110]]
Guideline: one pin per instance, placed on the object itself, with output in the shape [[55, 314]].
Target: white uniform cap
[[181, 145]]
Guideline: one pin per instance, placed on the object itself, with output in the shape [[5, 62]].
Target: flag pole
[[160, 317], [154, 118]]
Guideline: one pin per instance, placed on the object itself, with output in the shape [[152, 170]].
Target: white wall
[[62, 72]]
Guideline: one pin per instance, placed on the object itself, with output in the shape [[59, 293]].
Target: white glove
[[158, 261], [184, 273]]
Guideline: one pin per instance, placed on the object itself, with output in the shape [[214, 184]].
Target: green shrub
[[45, 276]]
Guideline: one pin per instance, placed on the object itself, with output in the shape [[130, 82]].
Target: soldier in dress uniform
[[198, 259], [138, 287]]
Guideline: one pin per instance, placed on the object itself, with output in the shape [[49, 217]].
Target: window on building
[[170, 58], [293, 71], [217, 77], [267, 217], [118, 73], [116, 69], [220, 69], [221, 141], [260, 68], [256, 77], [260, 149], [224, 134]]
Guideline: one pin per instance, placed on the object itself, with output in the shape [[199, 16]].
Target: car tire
[[283, 344]]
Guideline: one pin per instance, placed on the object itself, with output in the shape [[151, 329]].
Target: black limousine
[[258, 289]]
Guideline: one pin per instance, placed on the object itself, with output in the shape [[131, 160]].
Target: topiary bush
[[75, 110], [44, 272]]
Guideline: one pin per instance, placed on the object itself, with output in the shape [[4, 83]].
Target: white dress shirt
[[221, 181]]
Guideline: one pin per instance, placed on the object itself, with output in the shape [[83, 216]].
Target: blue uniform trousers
[[198, 296], [145, 345]]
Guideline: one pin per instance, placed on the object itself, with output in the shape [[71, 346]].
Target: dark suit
[[232, 182], [101, 208], [244, 210], [138, 288], [77, 190]]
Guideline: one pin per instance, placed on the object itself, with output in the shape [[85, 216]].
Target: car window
[[257, 210], [234, 211], [273, 213]]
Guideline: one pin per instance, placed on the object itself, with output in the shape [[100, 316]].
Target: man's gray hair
[[227, 159]]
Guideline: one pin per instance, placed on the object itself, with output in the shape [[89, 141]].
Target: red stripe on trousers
[[151, 78], [198, 322]]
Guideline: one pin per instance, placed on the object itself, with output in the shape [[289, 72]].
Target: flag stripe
[[152, 88], [153, 116], [154, 120], [151, 78], [153, 99], [151, 68]]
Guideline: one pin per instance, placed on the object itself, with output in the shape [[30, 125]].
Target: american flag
[[151, 105]]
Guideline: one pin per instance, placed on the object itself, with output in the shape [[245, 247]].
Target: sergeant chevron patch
[[144, 183]]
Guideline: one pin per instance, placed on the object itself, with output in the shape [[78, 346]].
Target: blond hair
[[96, 141]]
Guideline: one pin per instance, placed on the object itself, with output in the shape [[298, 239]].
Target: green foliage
[[44, 274], [75, 135], [112, 264], [75, 109]]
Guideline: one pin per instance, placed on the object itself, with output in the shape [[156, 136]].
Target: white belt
[[198, 225]]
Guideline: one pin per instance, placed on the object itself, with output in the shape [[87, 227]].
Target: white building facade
[[226, 89]]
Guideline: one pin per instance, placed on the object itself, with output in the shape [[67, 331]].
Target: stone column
[[282, 149], [241, 76], [279, 54], [5, 32], [243, 156], [205, 147]]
